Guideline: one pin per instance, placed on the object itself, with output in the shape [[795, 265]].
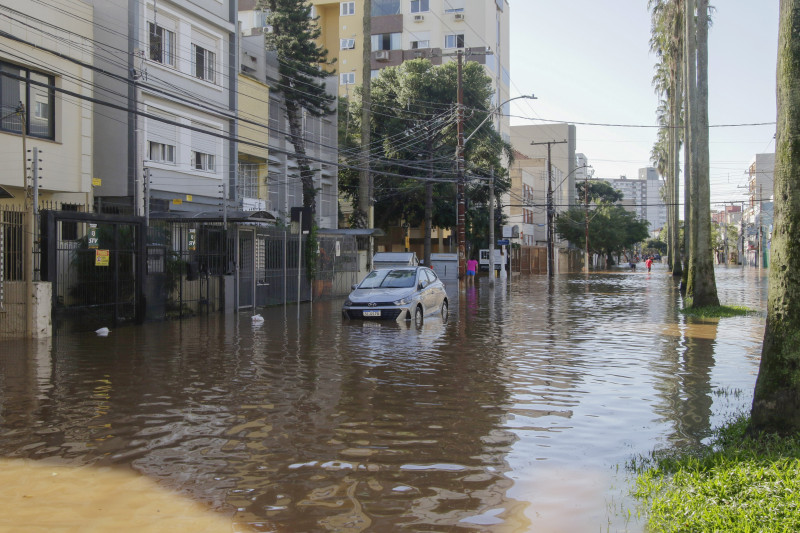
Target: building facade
[[276, 170], [528, 199], [47, 83], [168, 145], [413, 29]]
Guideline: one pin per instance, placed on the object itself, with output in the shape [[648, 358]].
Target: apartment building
[[170, 68], [276, 170], [528, 199], [253, 114], [45, 87], [413, 29], [655, 210]]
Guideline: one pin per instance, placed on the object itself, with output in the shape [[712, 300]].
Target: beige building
[[412, 29], [253, 113], [38, 77], [528, 199]]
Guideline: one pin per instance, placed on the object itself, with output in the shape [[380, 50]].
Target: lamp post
[[462, 141]]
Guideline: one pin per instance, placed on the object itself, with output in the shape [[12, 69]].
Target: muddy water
[[518, 414]]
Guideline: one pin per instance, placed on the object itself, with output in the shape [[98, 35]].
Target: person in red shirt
[[649, 263]]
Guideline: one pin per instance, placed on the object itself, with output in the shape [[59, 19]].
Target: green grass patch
[[736, 483], [717, 311]]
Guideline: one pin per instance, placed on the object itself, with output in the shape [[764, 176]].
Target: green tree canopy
[[612, 228], [413, 124]]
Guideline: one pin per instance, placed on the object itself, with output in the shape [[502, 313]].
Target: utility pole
[[365, 185], [760, 200], [462, 207], [460, 194], [491, 229], [27, 242], [586, 202], [550, 207]]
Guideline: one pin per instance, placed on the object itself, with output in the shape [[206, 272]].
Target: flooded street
[[517, 414]]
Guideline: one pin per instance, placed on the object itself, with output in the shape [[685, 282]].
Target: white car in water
[[401, 293]]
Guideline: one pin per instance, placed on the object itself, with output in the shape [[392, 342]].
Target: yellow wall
[[254, 106], [335, 27]]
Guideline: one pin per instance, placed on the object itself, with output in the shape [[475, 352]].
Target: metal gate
[[246, 268], [96, 266]]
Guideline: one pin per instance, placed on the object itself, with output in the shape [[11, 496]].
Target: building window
[[382, 8], [347, 8], [38, 102], [387, 41], [454, 40], [420, 6], [248, 180], [203, 62], [162, 44], [420, 44], [260, 18], [348, 78], [161, 153], [453, 6], [347, 44], [203, 161]]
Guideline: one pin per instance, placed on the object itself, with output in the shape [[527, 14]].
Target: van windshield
[[389, 279]]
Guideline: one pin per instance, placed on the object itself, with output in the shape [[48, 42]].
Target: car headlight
[[403, 301], [348, 303]]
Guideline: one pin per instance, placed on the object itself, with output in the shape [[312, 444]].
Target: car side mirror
[[354, 286], [419, 286]]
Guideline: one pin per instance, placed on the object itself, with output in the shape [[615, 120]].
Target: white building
[[642, 196], [175, 76]]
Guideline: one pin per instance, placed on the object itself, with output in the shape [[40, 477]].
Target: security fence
[[107, 269], [13, 315]]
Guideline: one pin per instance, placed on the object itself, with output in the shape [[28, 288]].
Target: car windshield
[[389, 279]]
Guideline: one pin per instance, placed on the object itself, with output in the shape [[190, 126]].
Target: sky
[[589, 61]]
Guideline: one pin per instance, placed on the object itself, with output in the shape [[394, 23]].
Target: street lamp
[[462, 210]]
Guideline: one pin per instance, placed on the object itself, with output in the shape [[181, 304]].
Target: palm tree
[[667, 43], [776, 402], [701, 285]]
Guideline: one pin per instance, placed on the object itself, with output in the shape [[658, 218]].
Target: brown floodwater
[[518, 414]]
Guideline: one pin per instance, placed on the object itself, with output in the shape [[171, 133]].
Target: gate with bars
[[96, 265]]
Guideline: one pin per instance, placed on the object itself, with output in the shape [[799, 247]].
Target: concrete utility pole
[[550, 207], [365, 192], [460, 196], [462, 207], [586, 202], [491, 229], [27, 242]]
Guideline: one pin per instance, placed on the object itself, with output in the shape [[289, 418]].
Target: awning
[[233, 215]]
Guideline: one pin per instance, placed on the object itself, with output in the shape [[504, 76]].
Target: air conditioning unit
[[419, 18], [458, 16], [382, 55]]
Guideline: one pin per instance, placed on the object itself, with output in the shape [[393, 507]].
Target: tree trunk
[[776, 402], [690, 151], [677, 103], [704, 287], [294, 114]]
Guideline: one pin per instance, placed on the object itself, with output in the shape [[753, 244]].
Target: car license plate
[[372, 313]]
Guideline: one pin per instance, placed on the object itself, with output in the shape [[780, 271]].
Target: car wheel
[[418, 316], [445, 310]]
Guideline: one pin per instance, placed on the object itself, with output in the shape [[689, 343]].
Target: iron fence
[[13, 317]]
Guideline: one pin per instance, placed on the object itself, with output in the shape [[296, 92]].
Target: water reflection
[[511, 416]]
